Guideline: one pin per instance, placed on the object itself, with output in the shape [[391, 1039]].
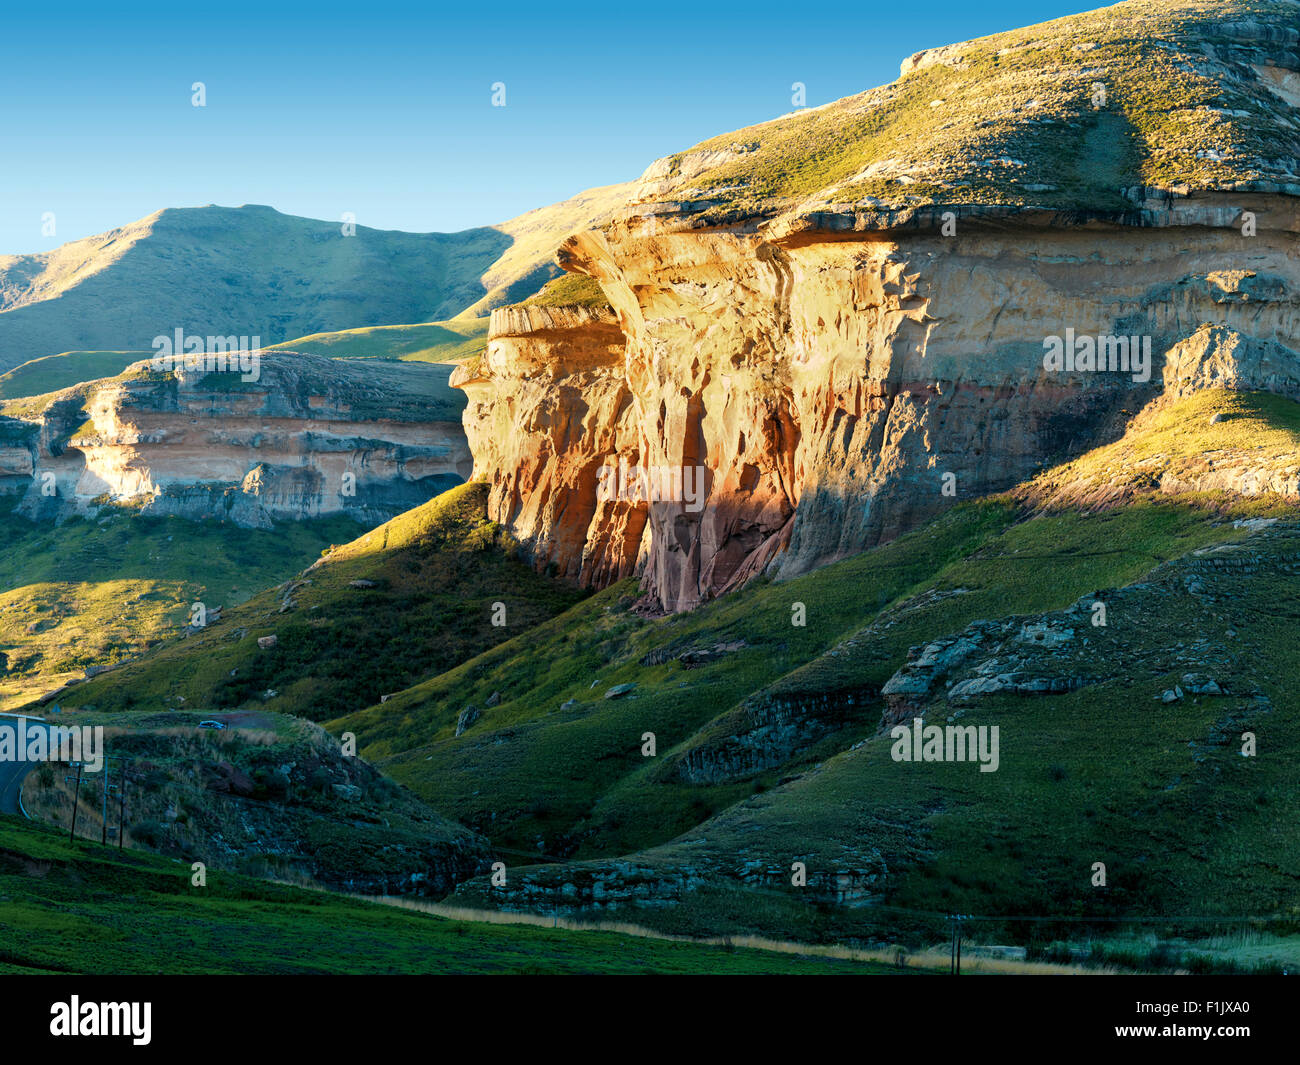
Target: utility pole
[[954, 963], [76, 796], [103, 810], [121, 810]]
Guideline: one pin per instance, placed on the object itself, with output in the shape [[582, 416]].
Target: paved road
[[12, 773]]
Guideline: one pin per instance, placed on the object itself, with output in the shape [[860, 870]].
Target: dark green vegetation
[[77, 909], [406, 601], [267, 795], [93, 592], [769, 740]]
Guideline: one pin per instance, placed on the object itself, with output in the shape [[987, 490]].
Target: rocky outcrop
[[614, 886], [547, 409], [767, 730], [836, 346], [308, 437], [1092, 641], [834, 365], [836, 389]]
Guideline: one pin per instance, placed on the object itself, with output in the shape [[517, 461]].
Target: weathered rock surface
[[840, 369], [547, 408], [831, 388], [1092, 640], [309, 437]]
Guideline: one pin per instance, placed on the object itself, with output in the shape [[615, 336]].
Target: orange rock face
[[835, 385], [547, 408]]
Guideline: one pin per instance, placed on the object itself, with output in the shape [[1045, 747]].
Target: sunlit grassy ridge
[[569, 290], [1251, 436], [451, 341], [90, 593], [1015, 118], [53, 373], [407, 600]]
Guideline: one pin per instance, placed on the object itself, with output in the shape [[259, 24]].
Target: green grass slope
[[1109, 772], [442, 342], [92, 593], [408, 600], [54, 373], [74, 908]]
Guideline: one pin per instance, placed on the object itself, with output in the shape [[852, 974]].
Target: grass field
[[405, 601], [93, 592], [569, 290], [77, 908], [53, 373], [445, 342]]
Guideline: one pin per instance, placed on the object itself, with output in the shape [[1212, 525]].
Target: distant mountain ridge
[[252, 271]]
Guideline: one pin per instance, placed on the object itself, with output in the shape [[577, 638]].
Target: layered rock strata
[[310, 437], [841, 378]]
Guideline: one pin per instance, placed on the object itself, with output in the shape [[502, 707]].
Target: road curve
[[12, 773]]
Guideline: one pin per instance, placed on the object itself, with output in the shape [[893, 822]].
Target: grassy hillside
[[442, 342], [252, 271], [607, 798], [267, 795], [408, 600], [1111, 772], [529, 262], [1015, 119], [569, 290], [92, 593], [75, 908], [770, 708], [54, 373], [263, 274], [768, 734]]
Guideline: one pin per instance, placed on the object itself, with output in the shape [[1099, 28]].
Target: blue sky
[[384, 110]]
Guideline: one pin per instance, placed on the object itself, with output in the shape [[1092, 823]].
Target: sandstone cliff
[[309, 437], [841, 318]]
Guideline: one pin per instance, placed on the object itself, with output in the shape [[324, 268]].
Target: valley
[[871, 530]]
